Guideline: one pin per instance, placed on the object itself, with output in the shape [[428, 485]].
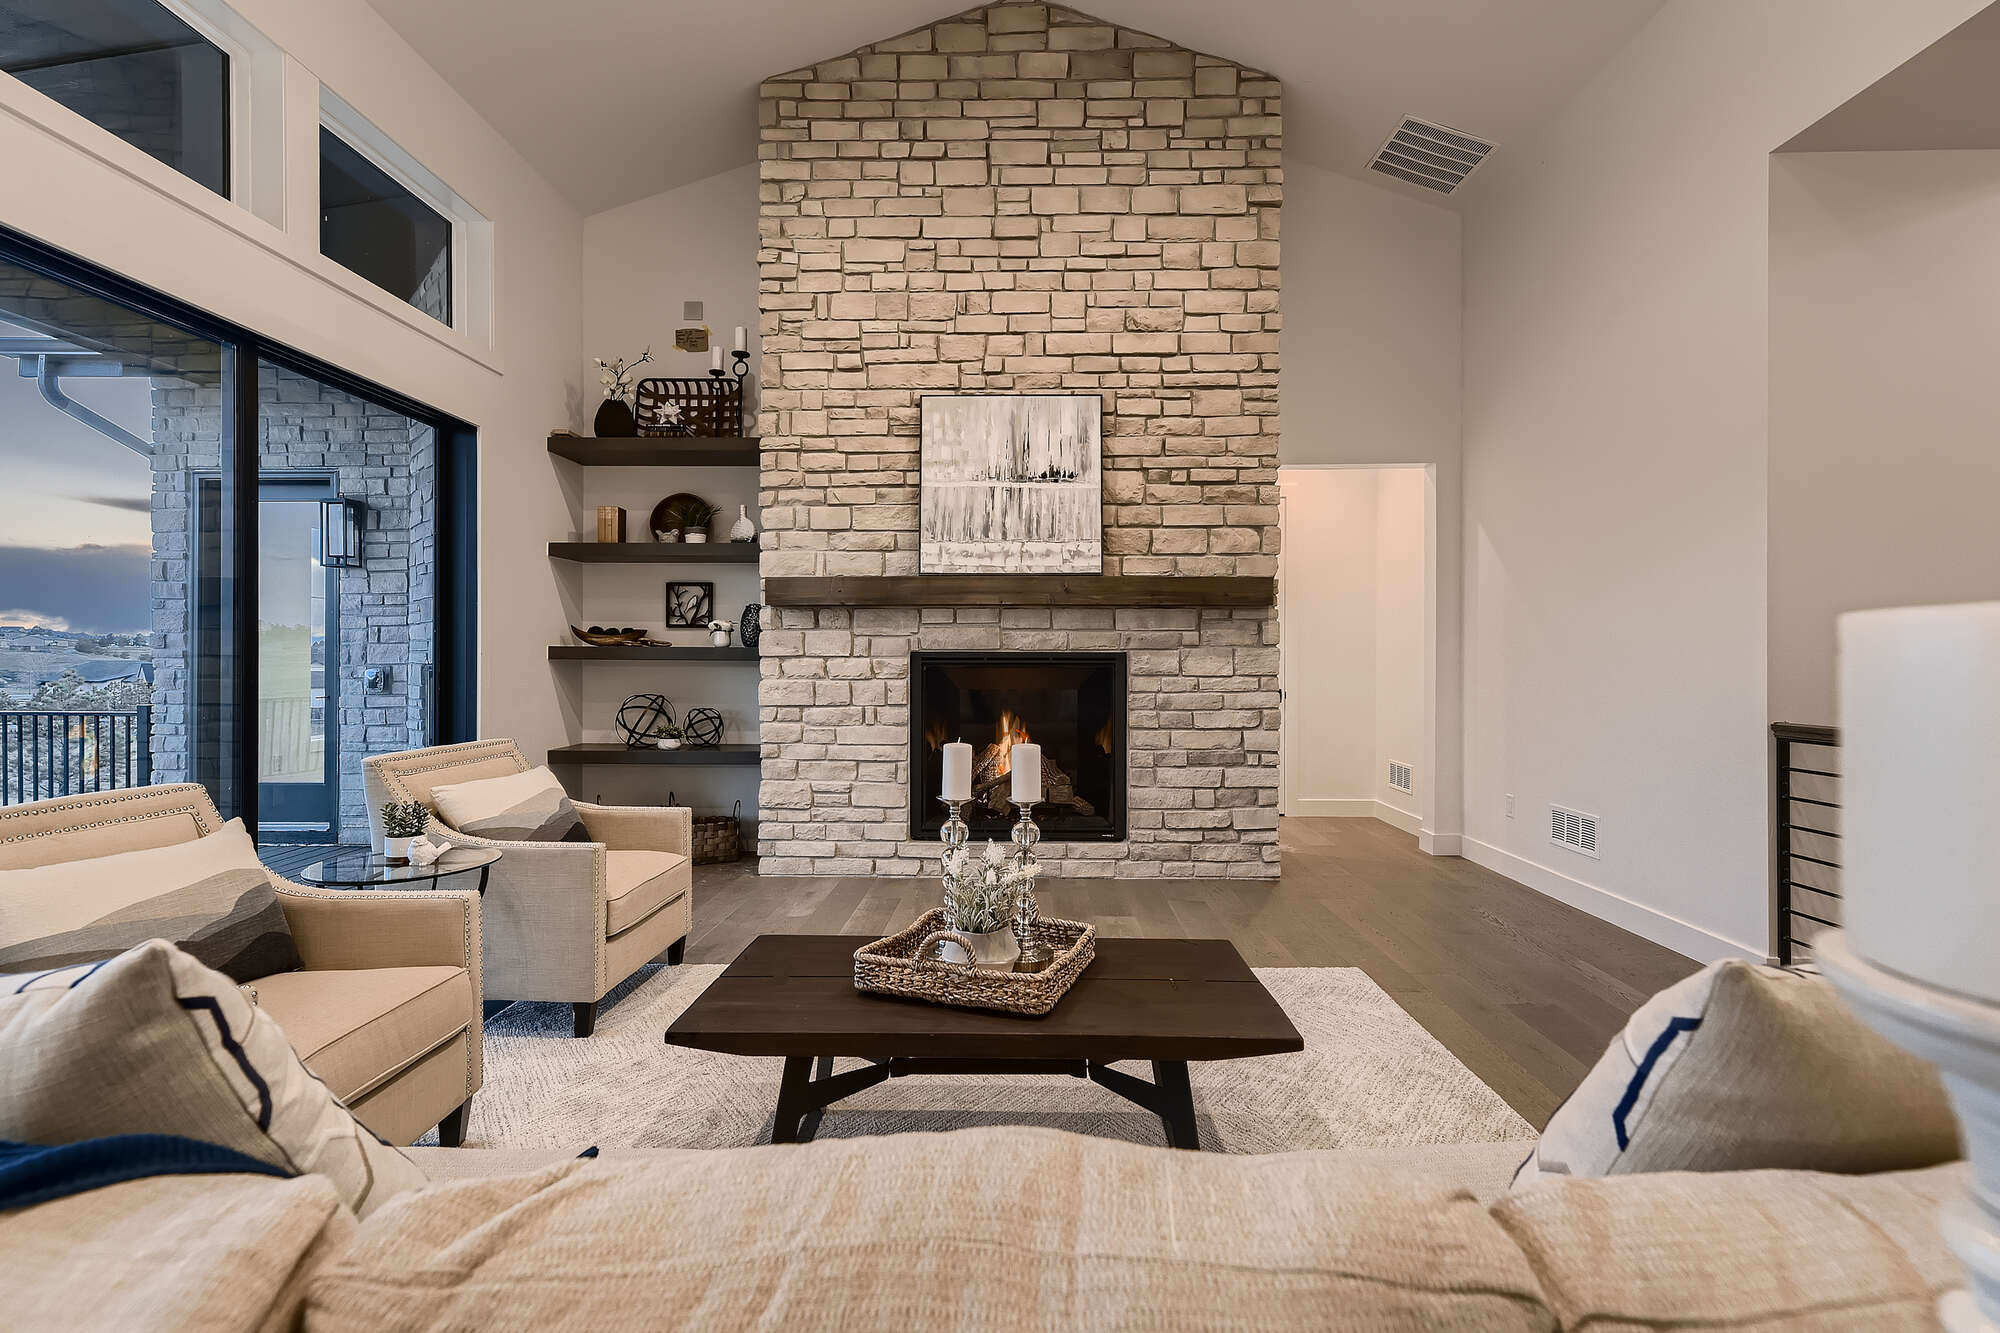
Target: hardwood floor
[[1524, 990]]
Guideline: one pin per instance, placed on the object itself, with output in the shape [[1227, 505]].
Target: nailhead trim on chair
[[198, 809]]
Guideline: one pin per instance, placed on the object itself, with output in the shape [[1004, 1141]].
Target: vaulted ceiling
[[614, 100]]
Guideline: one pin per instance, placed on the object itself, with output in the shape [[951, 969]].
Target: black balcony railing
[[45, 754], [1806, 897]]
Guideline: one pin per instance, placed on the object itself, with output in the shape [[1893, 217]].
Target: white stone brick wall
[[1021, 198]]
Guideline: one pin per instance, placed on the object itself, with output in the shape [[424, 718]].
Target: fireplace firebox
[[1070, 704]]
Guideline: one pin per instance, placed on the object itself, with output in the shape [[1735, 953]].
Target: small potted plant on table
[[403, 822]]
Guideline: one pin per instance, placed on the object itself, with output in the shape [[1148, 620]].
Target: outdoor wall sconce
[[341, 521]]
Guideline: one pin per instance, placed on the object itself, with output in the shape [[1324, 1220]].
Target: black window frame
[[454, 717]]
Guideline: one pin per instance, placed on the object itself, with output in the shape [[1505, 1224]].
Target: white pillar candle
[[742, 339], [715, 358], [1026, 758], [1920, 753], [958, 771]]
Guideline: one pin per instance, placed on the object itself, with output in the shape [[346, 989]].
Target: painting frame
[[690, 612], [956, 485]]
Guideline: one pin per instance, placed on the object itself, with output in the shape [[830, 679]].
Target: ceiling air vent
[[1429, 155], [1572, 830], [1399, 776]]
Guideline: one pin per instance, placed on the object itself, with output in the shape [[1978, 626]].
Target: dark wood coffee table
[[1167, 1001]]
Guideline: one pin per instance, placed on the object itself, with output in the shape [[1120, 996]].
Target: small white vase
[[743, 530], [396, 851], [694, 535], [668, 742], [991, 948], [719, 637]]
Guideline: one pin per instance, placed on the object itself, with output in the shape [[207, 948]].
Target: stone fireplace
[[1070, 704], [1020, 199]]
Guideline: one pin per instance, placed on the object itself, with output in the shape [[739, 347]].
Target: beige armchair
[[563, 921], [386, 1010]]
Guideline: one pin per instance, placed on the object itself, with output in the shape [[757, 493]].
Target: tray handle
[[922, 957]]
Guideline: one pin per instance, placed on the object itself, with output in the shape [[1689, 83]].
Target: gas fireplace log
[[992, 786]]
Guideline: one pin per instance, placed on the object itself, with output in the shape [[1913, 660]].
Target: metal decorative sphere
[[643, 717], [750, 625], [703, 728]]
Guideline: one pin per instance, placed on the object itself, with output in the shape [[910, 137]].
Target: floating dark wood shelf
[[655, 553], [655, 451], [583, 652], [1214, 590], [612, 753]]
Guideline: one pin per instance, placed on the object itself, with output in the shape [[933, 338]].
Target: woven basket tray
[[893, 966]]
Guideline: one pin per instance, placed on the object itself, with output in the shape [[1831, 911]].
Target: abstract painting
[[1012, 484]]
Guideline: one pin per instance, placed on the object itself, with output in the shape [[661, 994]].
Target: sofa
[[385, 1011], [563, 921], [1004, 1228]]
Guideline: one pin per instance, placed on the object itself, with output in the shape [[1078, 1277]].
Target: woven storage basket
[[717, 838], [896, 966]]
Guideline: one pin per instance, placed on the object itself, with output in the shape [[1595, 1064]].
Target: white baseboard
[[1329, 807], [1701, 945], [1395, 818], [1439, 844]]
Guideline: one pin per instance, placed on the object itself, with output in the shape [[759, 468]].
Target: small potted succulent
[[403, 822]]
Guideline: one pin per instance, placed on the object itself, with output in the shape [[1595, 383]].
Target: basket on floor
[[717, 838], [900, 965]]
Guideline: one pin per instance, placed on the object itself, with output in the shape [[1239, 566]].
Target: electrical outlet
[[375, 680], [1510, 805]]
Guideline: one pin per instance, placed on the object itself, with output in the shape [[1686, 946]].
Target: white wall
[[1885, 432], [641, 262], [1401, 562], [1615, 460], [1353, 602], [77, 187], [1373, 375]]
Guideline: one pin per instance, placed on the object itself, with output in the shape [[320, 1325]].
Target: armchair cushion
[[152, 1042], [638, 884], [360, 1029], [520, 807], [211, 896]]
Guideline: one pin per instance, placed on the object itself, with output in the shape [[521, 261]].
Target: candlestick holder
[[716, 372], [742, 364], [955, 832], [1035, 955]]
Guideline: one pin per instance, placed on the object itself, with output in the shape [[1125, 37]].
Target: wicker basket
[[898, 965], [717, 838]]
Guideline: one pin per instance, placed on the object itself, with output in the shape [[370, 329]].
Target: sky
[[75, 532]]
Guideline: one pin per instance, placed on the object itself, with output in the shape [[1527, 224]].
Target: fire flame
[[1104, 737], [1008, 732], [934, 734]]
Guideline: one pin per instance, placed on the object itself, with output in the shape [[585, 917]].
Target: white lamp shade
[[1920, 742]]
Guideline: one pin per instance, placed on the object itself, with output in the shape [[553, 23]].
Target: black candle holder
[[742, 363]]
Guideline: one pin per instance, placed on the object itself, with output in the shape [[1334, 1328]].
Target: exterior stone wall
[[1021, 199]]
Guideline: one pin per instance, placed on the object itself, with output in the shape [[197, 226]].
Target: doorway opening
[[1357, 598]]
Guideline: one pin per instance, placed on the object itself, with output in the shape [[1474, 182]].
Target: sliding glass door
[[220, 561]]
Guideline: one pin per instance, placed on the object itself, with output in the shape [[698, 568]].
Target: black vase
[[615, 420], [748, 628]]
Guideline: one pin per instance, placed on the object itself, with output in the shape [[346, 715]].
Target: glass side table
[[368, 870]]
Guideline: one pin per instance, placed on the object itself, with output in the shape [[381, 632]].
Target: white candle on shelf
[[1026, 758], [958, 771], [715, 358], [1920, 753], [742, 339]]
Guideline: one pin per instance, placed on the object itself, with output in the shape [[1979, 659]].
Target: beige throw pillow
[[152, 1042], [211, 896], [1742, 1067], [521, 807]]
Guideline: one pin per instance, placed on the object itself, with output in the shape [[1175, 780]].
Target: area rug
[[1369, 1077]]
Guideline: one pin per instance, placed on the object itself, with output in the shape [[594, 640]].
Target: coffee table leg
[[809, 1122], [793, 1101], [1176, 1103]]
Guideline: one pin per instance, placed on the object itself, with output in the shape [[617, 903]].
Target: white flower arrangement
[[617, 376], [721, 626], [979, 896]]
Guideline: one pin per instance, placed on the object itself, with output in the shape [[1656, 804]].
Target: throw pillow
[[152, 1042], [211, 896], [1741, 1068], [521, 807]]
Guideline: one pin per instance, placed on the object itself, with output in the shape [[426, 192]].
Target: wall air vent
[[1429, 155], [1569, 829], [1399, 776]]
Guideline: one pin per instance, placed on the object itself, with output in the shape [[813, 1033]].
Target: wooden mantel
[[1217, 590]]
